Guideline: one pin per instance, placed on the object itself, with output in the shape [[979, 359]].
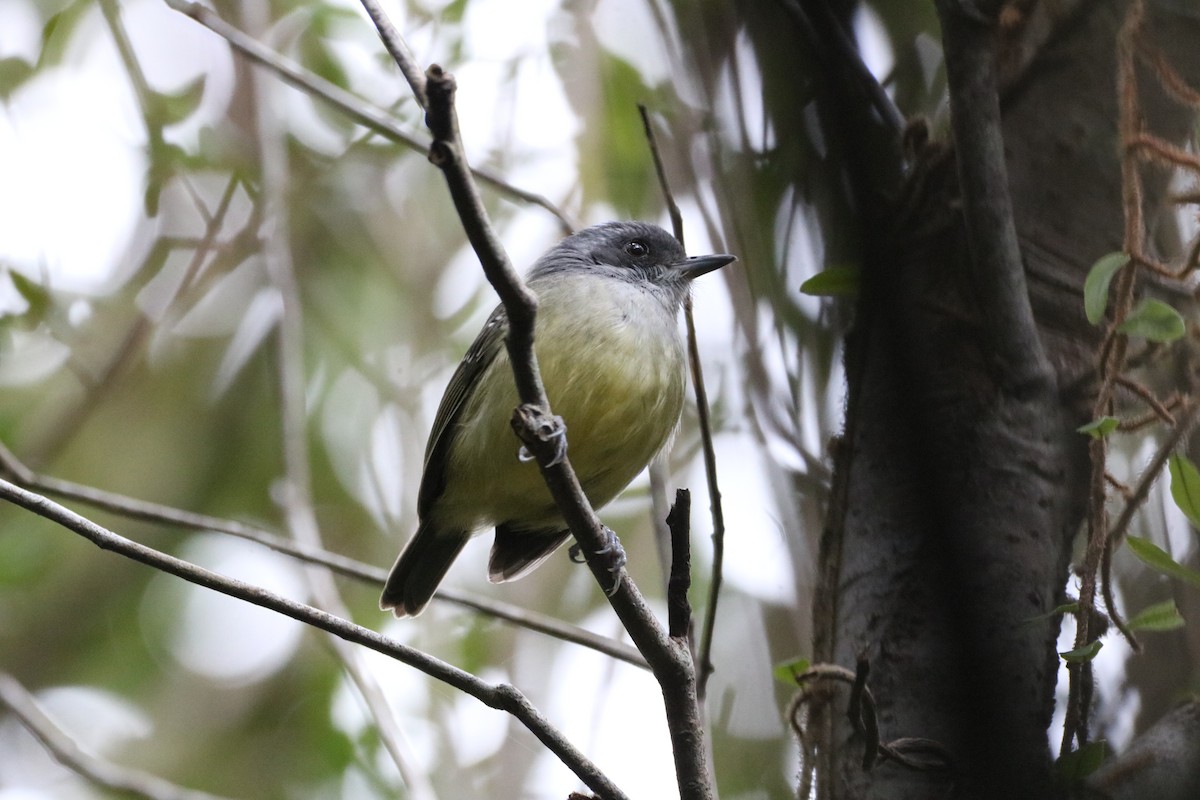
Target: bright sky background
[[71, 214]]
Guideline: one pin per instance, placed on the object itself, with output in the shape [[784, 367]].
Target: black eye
[[636, 249]]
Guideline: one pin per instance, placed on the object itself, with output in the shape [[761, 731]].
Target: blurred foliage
[[150, 368]]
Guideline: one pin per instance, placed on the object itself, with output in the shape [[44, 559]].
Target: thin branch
[[669, 659], [1111, 363], [969, 37], [355, 108], [297, 504], [135, 337], [714, 496], [1168, 77], [704, 657], [1110, 600], [1153, 149], [398, 48], [1143, 392], [137, 78], [520, 303], [658, 469], [1187, 420], [919, 754], [867, 723], [499, 696], [71, 755], [132, 508], [842, 56], [661, 172]]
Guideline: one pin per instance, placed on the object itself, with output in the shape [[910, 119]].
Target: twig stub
[[440, 87], [679, 610]]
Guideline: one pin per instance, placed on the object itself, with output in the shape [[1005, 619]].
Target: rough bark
[[957, 494], [962, 494]]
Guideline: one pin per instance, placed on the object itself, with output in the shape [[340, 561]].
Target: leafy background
[[139, 354]]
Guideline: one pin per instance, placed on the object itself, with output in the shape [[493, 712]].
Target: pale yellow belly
[[619, 388]]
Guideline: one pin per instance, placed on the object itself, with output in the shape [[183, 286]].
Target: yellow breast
[[614, 371]]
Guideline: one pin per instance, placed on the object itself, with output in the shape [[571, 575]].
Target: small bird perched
[[612, 361]]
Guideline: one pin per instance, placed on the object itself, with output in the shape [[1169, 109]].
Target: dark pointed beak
[[696, 266]]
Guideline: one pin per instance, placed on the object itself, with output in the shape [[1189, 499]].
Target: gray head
[[631, 251]]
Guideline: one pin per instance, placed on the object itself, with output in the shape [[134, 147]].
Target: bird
[[607, 341]]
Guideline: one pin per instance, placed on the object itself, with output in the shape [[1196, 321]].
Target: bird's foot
[[613, 554], [545, 428]]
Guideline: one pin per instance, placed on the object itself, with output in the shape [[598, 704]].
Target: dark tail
[[515, 552], [420, 568]]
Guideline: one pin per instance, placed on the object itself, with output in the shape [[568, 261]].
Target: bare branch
[[668, 195], [132, 508], [679, 611], [704, 657], [1187, 420], [71, 755], [669, 659], [824, 31], [968, 37], [714, 499], [1111, 363], [297, 505], [395, 44], [355, 108], [1160, 410], [911, 752], [499, 696]]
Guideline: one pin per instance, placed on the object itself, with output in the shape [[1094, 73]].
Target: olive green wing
[[480, 355]]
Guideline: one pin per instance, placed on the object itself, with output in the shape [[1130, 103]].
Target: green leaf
[[453, 13], [1185, 486], [1099, 428], [1154, 321], [1082, 654], [1162, 616], [1076, 765], [838, 280], [166, 160], [58, 30], [1065, 608], [35, 294], [1095, 287], [614, 157], [14, 72], [789, 672], [316, 54], [1157, 559], [175, 107]]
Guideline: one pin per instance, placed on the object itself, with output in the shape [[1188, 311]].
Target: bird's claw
[[545, 429], [612, 552]]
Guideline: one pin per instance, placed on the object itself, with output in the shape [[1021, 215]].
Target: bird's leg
[[612, 552], [548, 430]]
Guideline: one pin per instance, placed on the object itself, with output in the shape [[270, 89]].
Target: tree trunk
[[956, 496], [962, 495]]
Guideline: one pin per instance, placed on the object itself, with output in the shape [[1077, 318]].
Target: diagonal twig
[[69, 753], [502, 697], [297, 503], [670, 659], [704, 652], [355, 108], [398, 48], [133, 508]]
